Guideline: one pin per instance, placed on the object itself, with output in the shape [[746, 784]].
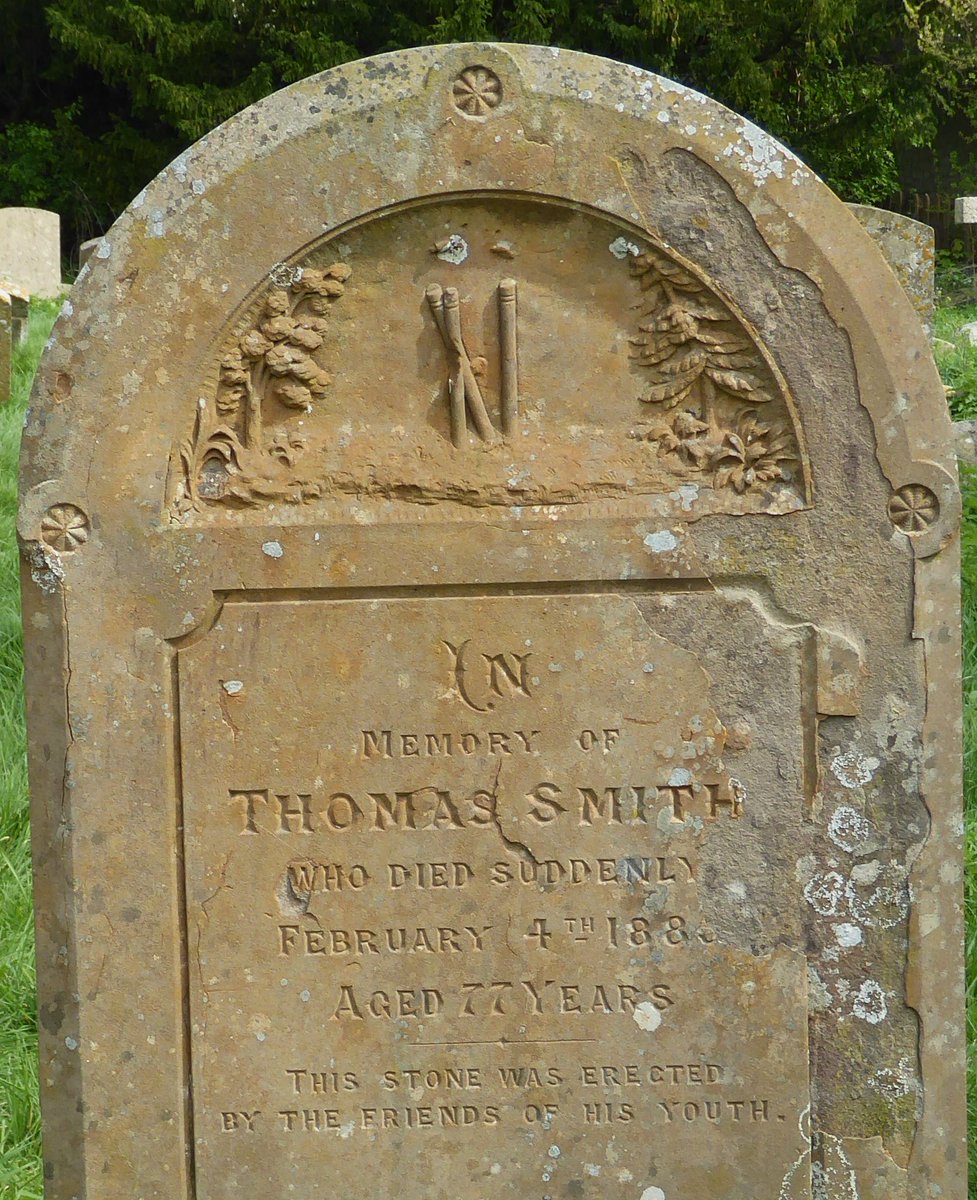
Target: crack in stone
[[520, 849]]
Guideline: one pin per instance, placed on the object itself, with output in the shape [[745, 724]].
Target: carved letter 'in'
[[503, 673], [465, 396]]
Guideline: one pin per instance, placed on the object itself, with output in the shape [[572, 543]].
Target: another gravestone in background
[[6, 344], [86, 250], [909, 248], [30, 250], [490, 535], [14, 313]]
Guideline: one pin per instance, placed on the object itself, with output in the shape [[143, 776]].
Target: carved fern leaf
[[687, 364], [724, 342], [702, 310], [671, 392], [734, 381], [731, 360], [653, 353]]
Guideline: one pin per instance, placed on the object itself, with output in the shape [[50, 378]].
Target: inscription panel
[[461, 880]]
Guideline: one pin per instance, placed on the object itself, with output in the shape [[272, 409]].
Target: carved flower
[[307, 338], [286, 446], [294, 395], [751, 454], [64, 527], [684, 437], [283, 358], [688, 425], [328, 282], [276, 303], [278, 328], [233, 380], [913, 508], [254, 344], [232, 368], [477, 90]]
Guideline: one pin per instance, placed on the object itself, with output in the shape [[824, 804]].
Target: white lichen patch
[[621, 248], [894, 1083], [661, 542], [888, 903], [688, 493], [849, 830], [272, 549], [869, 1003], [47, 570], [282, 275], [452, 249], [827, 892], [758, 154], [848, 935], [232, 686], [591, 1169], [852, 770], [652, 1193], [646, 1016]]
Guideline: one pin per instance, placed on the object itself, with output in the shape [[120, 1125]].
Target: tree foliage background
[[97, 97]]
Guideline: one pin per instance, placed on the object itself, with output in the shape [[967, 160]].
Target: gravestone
[[86, 250], [965, 210], [14, 314], [6, 344], [30, 250], [909, 247], [490, 538], [20, 311]]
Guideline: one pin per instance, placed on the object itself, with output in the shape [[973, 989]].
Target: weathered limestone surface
[[490, 538], [30, 250], [909, 247]]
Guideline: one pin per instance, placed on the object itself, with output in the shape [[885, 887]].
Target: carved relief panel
[[481, 352]]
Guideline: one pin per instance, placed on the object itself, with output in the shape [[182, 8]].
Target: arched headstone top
[[490, 527], [393, 157]]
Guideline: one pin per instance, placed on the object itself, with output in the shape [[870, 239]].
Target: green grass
[[20, 1152], [957, 361], [20, 1141]]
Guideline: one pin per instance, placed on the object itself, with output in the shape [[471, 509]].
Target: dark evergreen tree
[[101, 96]]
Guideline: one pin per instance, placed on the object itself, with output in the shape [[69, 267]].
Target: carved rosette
[[720, 411]]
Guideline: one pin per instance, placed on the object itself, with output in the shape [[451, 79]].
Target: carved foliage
[[240, 449], [719, 410], [720, 413]]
